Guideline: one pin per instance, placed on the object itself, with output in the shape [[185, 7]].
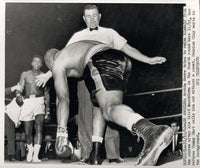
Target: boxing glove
[[63, 146], [19, 100]]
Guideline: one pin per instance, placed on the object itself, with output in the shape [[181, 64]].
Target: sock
[[132, 120], [97, 139]]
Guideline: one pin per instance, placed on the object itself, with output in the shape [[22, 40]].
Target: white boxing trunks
[[31, 108]]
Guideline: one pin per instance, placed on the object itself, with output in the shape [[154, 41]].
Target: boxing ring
[[166, 161], [152, 93]]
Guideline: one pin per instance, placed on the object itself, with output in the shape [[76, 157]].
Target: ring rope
[[153, 92]]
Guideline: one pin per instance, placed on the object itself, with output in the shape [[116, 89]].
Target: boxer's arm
[[47, 103], [19, 90], [21, 84], [136, 54], [16, 87], [10, 90], [42, 79]]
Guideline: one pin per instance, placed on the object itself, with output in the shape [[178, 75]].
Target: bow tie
[[96, 28]]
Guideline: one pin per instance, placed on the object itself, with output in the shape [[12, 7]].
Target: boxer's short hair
[[37, 56]]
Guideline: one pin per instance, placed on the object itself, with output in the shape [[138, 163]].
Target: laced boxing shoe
[[156, 139], [29, 157], [63, 146], [94, 158]]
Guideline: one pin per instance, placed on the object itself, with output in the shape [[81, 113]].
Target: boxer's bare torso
[[27, 82]]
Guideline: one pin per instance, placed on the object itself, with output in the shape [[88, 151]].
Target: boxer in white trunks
[[35, 107]]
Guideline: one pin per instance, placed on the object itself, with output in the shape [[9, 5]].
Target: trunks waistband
[[33, 96]]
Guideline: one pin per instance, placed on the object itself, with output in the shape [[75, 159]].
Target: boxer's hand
[[157, 60], [47, 117], [18, 124], [42, 79], [19, 100]]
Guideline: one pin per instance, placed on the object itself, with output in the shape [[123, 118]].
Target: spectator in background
[[48, 148], [175, 148], [20, 143], [11, 121]]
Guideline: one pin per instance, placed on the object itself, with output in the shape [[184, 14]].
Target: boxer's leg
[[97, 136], [99, 127], [112, 144], [28, 126], [39, 120], [156, 138], [63, 146], [98, 123]]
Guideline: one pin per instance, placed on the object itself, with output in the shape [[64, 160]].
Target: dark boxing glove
[[19, 100]]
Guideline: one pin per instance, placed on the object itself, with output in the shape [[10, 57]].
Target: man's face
[[92, 18], [36, 63], [175, 127]]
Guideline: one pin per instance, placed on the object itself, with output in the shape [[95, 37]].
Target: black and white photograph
[[100, 83]]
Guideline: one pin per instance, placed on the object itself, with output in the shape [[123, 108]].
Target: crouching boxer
[[71, 62], [78, 55], [35, 107]]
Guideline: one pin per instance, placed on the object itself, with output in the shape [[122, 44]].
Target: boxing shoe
[[156, 139], [63, 146], [29, 157], [36, 160], [36, 153], [94, 158]]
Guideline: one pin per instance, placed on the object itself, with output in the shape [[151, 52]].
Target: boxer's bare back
[[73, 58], [30, 87]]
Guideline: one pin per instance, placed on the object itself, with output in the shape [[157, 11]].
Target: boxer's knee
[[106, 112], [110, 109]]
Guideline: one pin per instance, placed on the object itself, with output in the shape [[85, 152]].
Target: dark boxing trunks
[[108, 71]]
